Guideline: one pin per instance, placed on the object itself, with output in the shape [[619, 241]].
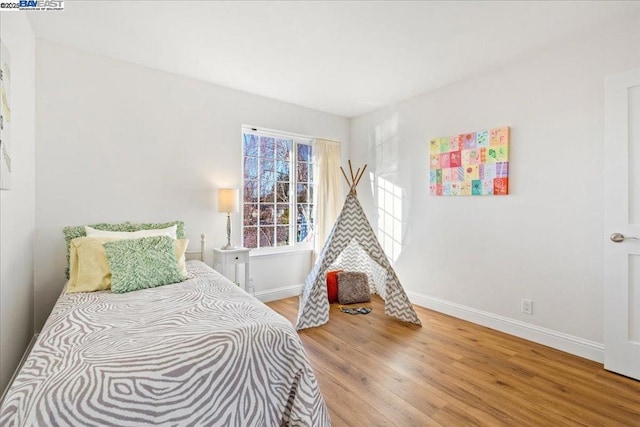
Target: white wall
[[121, 142], [17, 205], [545, 240], [281, 275]]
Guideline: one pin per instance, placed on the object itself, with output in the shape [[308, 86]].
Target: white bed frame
[[198, 255]]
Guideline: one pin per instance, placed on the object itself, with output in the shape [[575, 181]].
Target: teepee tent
[[352, 245]]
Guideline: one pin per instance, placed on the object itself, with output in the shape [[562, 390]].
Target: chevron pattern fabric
[[351, 228], [354, 258], [198, 353]]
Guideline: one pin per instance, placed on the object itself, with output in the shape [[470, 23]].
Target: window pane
[[250, 144], [282, 192], [282, 171], [277, 192], [250, 191], [267, 180], [266, 237], [282, 234], [283, 149], [250, 239], [304, 226], [266, 214], [250, 167], [303, 152], [266, 166], [267, 147], [303, 233], [267, 190], [303, 191], [250, 214], [303, 214], [303, 172], [282, 213]]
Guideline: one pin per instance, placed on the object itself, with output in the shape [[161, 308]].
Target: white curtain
[[328, 196]]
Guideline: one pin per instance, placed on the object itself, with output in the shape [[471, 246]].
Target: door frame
[[617, 357]]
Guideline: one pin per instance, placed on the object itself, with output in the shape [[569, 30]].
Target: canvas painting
[[5, 119], [471, 164]]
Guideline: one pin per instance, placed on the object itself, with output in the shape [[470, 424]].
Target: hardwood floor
[[376, 371]]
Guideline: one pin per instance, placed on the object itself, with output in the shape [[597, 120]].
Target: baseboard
[[578, 346], [279, 293], [22, 360]]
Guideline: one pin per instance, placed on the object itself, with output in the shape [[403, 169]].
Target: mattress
[[200, 352]]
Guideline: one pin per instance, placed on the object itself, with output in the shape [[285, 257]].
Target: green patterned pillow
[[71, 233], [142, 263]]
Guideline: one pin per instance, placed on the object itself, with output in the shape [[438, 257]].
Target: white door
[[622, 224]]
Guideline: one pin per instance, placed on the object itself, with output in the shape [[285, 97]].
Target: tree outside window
[[277, 190]]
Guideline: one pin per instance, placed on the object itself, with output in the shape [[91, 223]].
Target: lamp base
[[228, 245]]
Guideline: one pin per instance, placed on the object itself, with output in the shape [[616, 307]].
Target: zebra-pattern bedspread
[[201, 352]]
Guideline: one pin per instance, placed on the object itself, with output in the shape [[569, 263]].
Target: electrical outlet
[[527, 306]]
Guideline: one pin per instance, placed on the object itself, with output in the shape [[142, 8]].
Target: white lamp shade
[[228, 200]]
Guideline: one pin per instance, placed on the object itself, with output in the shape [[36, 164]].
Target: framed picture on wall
[[470, 164], [5, 118]]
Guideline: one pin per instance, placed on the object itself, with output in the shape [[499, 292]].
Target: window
[[277, 190]]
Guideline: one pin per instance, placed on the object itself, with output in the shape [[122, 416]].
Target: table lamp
[[228, 199]]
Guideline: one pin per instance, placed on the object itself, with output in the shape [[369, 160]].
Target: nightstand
[[223, 258]]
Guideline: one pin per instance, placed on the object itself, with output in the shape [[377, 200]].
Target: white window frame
[[293, 185]]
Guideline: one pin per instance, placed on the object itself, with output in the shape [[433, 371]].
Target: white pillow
[[169, 231]]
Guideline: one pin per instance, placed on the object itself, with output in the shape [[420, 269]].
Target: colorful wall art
[[5, 119], [471, 164]]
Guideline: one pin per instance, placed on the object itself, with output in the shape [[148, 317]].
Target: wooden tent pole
[[359, 176], [345, 176], [353, 178]]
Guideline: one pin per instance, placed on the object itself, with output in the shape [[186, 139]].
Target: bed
[[198, 352]]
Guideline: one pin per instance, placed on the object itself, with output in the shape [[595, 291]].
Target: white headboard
[[199, 255]]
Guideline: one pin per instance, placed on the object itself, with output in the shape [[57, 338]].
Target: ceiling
[[342, 57]]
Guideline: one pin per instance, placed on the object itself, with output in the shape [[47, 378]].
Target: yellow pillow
[[89, 269], [180, 247]]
